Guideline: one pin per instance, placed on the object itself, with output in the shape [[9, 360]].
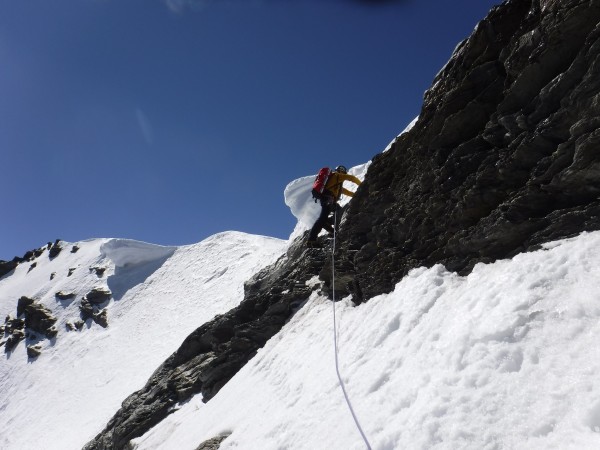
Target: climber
[[329, 197]]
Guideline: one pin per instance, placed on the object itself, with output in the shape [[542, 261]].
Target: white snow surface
[[504, 358], [63, 398]]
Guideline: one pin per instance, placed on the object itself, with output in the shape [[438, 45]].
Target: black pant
[[328, 205]]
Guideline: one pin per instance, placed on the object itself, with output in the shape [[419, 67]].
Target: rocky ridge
[[503, 158]]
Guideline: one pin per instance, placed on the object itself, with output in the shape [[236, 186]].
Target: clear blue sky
[[164, 122]]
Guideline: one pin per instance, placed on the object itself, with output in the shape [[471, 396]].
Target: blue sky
[[167, 121]]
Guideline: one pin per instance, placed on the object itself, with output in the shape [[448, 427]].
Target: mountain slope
[[501, 160], [159, 295], [506, 357]]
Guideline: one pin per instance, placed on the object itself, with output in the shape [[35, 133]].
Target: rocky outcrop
[[7, 267], [55, 249], [213, 444], [98, 295], [504, 157], [38, 318], [14, 329], [505, 154], [62, 295]]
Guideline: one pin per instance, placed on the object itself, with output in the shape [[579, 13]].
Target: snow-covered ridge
[[123, 252], [159, 296]]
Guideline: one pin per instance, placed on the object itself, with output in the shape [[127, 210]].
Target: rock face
[[505, 156], [38, 318], [98, 295], [8, 266]]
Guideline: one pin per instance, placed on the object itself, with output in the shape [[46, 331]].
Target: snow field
[[505, 358], [160, 295]]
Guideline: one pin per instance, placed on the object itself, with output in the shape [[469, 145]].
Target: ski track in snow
[[505, 358], [160, 294]]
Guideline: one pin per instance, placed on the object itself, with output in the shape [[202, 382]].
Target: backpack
[[320, 182]]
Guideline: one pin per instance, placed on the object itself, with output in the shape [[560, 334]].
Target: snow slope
[[505, 358], [64, 397]]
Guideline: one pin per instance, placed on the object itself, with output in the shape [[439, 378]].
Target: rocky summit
[[504, 156]]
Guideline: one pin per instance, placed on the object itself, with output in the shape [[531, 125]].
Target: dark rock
[[12, 324], [101, 318], [98, 270], [75, 249], [55, 250], [32, 266], [214, 443], [61, 295], [38, 318], [98, 295], [16, 330], [52, 275], [504, 150], [7, 267], [23, 304], [33, 351], [77, 325], [12, 341], [71, 270], [86, 309]]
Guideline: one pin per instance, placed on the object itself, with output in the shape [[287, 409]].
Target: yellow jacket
[[335, 182]]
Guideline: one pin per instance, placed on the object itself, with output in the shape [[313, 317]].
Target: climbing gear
[[335, 342], [320, 182]]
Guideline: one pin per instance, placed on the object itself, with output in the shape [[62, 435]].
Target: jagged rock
[[101, 318], [504, 157], [8, 266], [71, 270], [12, 341], [86, 309], [98, 295], [38, 318], [12, 324], [32, 266], [16, 330], [55, 250], [77, 325], [75, 249], [33, 351], [98, 270], [52, 275], [61, 295], [214, 443]]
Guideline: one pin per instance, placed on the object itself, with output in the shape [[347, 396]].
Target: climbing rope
[[335, 341]]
